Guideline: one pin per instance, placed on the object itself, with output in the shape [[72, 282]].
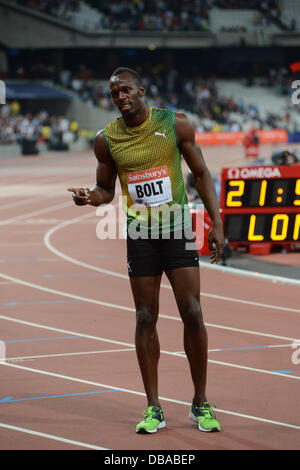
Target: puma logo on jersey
[[162, 134], [129, 267]]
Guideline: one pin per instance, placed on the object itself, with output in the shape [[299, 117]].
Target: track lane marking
[[130, 309], [169, 353], [252, 274], [34, 213], [60, 254], [21, 203], [82, 353], [51, 436], [134, 392]]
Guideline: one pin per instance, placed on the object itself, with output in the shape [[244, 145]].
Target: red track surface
[[67, 319]]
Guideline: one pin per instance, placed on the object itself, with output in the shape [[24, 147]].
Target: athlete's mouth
[[124, 106]]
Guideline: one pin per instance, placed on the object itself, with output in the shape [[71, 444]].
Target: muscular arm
[[203, 182], [104, 190]]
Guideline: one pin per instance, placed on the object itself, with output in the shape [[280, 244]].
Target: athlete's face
[[127, 94]]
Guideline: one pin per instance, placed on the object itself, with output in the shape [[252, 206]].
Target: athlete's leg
[[146, 297], [186, 287]]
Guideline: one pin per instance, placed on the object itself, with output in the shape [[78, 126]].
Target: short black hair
[[132, 72]]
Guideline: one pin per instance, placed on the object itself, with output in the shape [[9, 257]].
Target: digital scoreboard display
[[261, 204]]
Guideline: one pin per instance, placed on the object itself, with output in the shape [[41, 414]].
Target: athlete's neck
[[138, 119]]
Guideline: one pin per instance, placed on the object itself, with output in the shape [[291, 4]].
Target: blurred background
[[229, 64]]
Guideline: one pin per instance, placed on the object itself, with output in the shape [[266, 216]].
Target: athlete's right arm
[[104, 190]]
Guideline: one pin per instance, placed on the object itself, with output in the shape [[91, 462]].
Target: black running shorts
[[150, 257]]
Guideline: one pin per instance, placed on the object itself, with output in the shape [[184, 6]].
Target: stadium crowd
[[167, 88], [61, 9], [40, 127], [152, 15], [172, 88]]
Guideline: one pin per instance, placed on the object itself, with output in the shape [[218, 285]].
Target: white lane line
[[34, 213], [134, 392], [24, 244], [169, 353], [51, 436], [252, 369], [249, 348], [167, 317], [21, 203], [82, 353], [64, 294], [252, 274], [54, 250], [250, 332], [106, 304], [250, 302]]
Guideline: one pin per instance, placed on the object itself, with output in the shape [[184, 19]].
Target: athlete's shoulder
[[100, 134], [112, 125], [101, 146], [161, 110], [184, 127], [181, 117], [163, 115]]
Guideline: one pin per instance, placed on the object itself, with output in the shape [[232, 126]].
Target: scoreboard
[[261, 204]]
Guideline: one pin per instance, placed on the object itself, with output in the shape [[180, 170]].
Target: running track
[[71, 380]]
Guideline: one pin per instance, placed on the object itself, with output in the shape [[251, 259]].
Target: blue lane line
[[246, 347], [6, 400], [21, 258], [40, 302], [50, 276], [40, 339], [283, 371]]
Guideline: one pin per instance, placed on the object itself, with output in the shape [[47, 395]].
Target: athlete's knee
[[192, 315], [146, 319]]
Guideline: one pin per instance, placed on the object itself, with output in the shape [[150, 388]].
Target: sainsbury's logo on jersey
[[146, 175], [254, 172]]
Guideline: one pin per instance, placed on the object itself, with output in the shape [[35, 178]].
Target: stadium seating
[[291, 14], [166, 15], [239, 20]]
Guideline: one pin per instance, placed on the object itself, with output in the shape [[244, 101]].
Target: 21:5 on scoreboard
[[261, 203]]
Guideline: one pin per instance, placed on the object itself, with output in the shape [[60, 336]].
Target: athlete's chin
[[128, 113]]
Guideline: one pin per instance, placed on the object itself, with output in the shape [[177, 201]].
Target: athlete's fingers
[[214, 254], [81, 196], [210, 240], [217, 253], [79, 192], [87, 195]]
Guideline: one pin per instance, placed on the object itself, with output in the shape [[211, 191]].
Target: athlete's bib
[[151, 187]]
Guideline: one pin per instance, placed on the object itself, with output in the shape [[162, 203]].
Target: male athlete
[[143, 148]]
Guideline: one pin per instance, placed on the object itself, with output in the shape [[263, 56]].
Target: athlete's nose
[[122, 95]]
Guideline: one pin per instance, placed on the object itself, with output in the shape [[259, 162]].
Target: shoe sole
[[161, 425], [194, 418]]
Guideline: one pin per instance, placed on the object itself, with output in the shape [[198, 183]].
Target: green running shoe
[[205, 417], [154, 420]]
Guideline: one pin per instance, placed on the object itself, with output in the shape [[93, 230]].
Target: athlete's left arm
[[204, 185]]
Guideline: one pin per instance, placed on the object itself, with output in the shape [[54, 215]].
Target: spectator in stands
[[293, 24], [15, 107], [151, 15], [201, 97], [15, 127]]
